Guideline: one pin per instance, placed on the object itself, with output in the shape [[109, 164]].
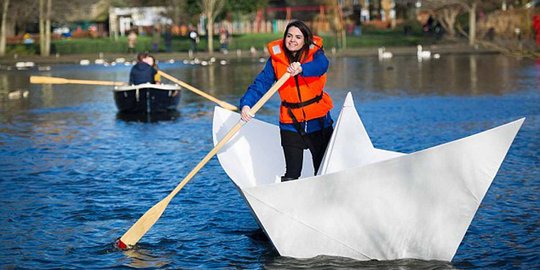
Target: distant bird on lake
[[18, 94], [383, 54], [421, 54]]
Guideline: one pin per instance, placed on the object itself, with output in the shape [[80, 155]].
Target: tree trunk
[[3, 28], [211, 8], [41, 26], [472, 24], [336, 22], [387, 7], [48, 29], [45, 27], [210, 32]]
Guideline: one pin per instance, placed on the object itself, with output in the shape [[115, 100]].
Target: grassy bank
[[369, 38]]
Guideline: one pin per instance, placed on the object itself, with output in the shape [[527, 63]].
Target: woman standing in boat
[[142, 72], [304, 121]]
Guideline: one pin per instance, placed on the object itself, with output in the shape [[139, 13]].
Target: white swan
[[422, 54], [383, 54], [17, 94], [24, 65]]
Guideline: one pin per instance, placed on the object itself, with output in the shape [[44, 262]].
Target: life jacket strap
[[298, 105]]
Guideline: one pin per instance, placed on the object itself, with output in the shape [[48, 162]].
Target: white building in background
[[122, 20]]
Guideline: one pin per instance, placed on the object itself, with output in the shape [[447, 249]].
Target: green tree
[[177, 10], [245, 6], [194, 9]]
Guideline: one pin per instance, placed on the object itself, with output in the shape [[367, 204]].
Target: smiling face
[[294, 40]]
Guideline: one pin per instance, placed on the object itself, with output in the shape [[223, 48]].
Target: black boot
[[285, 179]]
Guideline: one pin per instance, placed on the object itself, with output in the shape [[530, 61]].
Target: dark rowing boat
[[147, 98]]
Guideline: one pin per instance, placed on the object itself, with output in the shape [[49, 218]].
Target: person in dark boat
[[305, 121], [143, 72], [153, 63]]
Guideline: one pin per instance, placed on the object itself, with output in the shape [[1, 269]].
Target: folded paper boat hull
[[377, 205]]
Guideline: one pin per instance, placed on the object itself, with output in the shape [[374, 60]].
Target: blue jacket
[[266, 78], [142, 73]]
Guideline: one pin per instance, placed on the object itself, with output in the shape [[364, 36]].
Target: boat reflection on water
[[148, 117]]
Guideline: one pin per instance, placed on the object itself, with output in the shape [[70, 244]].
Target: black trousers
[[293, 148]]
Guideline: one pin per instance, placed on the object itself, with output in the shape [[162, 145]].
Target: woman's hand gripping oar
[[199, 92], [139, 229], [57, 80]]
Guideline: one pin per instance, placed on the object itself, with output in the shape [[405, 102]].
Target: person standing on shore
[[305, 121], [132, 41], [156, 38], [167, 37], [194, 37], [28, 41], [536, 27], [224, 39]]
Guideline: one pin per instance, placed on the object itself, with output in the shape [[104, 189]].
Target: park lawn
[[368, 38]]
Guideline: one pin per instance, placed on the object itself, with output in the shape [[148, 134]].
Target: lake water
[[75, 175]]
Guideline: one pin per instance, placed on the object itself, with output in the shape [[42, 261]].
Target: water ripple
[[74, 176]]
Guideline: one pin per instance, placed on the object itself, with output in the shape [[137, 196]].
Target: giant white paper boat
[[365, 203]]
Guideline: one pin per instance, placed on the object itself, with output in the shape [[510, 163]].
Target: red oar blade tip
[[121, 245]]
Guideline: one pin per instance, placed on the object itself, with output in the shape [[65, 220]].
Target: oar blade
[[139, 229], [56, 80], [47, 80]]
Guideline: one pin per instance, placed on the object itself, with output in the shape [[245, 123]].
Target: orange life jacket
[[307, 101]]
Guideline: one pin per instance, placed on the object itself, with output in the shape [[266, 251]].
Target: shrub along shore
[[74, 50]]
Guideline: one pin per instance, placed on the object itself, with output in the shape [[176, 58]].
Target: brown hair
[[141, 56]]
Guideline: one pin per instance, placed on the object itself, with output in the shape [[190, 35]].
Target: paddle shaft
[[139, 229], [57, 80], [199, 92]]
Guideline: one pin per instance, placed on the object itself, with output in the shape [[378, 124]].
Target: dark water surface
[[75, 175]]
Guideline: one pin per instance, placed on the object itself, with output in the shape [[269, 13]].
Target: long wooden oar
[[199, 92], [139, 229], [56, 80]]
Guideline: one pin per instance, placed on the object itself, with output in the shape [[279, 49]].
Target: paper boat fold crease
[[365, 203]]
